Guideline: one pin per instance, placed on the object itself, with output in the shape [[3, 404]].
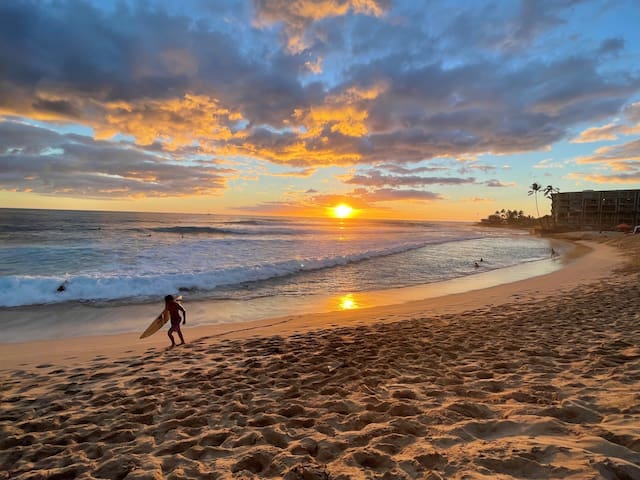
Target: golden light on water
[[347, 302], [342, 211]]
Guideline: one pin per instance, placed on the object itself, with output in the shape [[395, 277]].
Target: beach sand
[[534, 379]]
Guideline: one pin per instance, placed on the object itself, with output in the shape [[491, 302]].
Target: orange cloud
[[323, 134], [598, 134], [301, 154], [343, 113], [297, 15], [314, 67], [620, 178], [175, 121], [346, 120], [623, 157], [607, 132], [47, 106], [203, 121], [52, 163], [628, 125]]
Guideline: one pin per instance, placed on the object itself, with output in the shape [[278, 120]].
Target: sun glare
[[347, 302], [342, 211]]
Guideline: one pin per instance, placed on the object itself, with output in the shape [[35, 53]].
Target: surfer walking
[[174, 309]]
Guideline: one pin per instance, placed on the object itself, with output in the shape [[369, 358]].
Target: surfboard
[[158, 322]]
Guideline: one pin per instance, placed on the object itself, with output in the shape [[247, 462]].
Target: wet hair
[[168, 298]]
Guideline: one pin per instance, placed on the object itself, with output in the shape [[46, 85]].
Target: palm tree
[[534, 189], [549, 190]]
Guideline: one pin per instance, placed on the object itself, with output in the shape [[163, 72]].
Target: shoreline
[[85, 319], [238, 311], [586, 262]]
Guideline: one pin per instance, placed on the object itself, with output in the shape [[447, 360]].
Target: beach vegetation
[[550, 190], [533, 190], [511, 218], [547, 192]]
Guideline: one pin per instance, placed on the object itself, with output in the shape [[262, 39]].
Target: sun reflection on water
[[347, 302]]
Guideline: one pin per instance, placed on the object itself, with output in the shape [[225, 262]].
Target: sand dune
[[530, 388]]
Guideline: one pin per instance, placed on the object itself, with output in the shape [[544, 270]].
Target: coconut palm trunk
[[533, 190]]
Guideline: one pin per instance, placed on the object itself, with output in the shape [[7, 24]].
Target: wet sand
[[538, 378]]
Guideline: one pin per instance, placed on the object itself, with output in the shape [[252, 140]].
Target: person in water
[[174, 310]]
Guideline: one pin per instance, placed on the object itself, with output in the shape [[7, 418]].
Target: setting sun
[[342, 211]]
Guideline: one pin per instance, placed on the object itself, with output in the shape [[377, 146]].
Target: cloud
[[34, 159], [548, 163], [632, 113], [298, 15], [343, 114], [176, 121], [378, 179], [629, 124], [622, 160], [482, 168], [73, 61], [432, 112], [622, 178], [275, 207], [498, 184], [509, 28], [478, 200], [581, 90], [304, 173], [402, 170], [621, 157], [611, 46], [313, 83], [598, 134], [392, 195]]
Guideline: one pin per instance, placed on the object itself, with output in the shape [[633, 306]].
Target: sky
[[438, 110]]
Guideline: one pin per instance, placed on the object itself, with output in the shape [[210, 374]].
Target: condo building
[[596, 209]]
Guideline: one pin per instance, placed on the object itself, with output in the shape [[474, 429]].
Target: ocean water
[[117, 258]]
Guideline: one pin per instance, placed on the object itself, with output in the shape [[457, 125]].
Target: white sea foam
[[32, 290]]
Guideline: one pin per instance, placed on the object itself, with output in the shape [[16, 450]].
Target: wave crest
[[33, 290]]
